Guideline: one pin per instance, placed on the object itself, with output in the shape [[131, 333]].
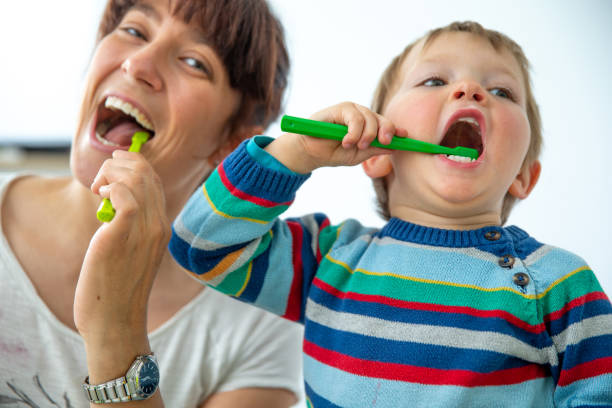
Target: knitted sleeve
[[229, 236], [578, 317]]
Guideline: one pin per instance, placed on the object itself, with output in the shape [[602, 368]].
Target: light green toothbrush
[[334, 131], [106, 212]]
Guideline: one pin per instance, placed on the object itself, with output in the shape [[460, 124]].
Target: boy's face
[[459, 90]]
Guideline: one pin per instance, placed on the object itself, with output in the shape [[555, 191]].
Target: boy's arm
[[229, 235], [578, 316]]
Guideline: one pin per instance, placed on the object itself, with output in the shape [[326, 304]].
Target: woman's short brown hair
[[248, 38], [389, 80]]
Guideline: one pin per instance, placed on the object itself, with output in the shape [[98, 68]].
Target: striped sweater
[[403, 316]]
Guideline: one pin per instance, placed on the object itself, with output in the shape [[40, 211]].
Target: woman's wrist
[[109, 358]]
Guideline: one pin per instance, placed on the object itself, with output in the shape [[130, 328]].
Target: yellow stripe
[[458, 285], [246, 280], [561, 279], [216, 211]]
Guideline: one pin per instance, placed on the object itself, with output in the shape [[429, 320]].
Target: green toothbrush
[[106, 212], [334, 131]]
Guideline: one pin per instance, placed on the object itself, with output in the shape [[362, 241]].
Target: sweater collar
[[485, 236]]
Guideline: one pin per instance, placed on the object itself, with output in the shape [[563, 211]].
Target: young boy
[[443, 306]]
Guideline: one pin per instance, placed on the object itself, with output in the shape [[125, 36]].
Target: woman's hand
[[303, 154], [110, 305]]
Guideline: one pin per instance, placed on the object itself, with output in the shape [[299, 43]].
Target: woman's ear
[[232, 141], [526, 180], [378, 166]]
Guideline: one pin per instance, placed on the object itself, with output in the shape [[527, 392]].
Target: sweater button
[[506, 261], [492, 235], [521, 279]]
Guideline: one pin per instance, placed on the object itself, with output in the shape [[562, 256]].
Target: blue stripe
[[578, 314], [403, 352], [587, 350], [246, 174], [432, 318], [258, 274]]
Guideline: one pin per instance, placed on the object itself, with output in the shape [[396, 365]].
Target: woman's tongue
[[122, 133]]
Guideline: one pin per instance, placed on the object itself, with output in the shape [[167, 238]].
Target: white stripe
[[427, 334], [587, 328]]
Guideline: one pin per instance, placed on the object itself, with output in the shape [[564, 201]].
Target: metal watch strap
[[113, 391]]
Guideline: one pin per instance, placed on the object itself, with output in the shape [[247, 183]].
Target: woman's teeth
[[113, 102], [460, 159]]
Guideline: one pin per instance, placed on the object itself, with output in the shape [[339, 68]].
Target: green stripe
[[234, 281], [233, 206], [577, 285], [327, 237], [423, 292]]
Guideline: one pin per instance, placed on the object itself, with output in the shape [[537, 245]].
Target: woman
[[82, 299]]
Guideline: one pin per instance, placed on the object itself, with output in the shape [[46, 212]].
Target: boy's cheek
[[419, 116]]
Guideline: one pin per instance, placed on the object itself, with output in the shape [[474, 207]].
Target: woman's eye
[[194, 63], [502, 93], [434, 82], [134, 32]]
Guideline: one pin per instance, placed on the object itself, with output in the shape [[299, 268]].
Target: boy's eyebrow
[[500, 69]]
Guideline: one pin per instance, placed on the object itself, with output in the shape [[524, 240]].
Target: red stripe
[[589, 297], [586, 370], [422, 375], [294, 303], [245, 196], [470, 311]]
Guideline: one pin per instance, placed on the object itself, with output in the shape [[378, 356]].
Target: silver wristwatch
[[139, 383]]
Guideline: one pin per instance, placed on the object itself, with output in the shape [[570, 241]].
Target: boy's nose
[[141, 67], [470, 91]]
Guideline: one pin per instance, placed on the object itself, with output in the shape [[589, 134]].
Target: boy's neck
[[459, 222]]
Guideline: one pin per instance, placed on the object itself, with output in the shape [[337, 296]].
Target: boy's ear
[[232, 141], [378, 166], [526, 180]]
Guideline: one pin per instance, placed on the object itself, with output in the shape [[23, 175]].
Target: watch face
[[148, 378]]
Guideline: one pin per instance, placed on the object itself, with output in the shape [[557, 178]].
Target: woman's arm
[[252, 398], [112, 294]]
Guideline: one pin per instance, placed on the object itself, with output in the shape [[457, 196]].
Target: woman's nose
[[469, 90], [141, 67]]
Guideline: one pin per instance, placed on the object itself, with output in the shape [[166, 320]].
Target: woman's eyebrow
[[148, 10]]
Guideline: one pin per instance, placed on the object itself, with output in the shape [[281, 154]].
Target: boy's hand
[[304, 154]]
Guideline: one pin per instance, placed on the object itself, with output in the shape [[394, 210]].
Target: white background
[[338, 49]]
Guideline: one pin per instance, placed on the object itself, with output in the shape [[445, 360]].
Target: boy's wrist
[[287, 149]]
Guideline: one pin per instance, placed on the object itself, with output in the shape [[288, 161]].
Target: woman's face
[[157, 73]]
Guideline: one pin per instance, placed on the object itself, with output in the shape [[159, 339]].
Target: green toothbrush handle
[[334, 131], [106, 212]]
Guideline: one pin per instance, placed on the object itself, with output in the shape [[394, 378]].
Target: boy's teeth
[[469, 120], [127, 108], [460, 159]]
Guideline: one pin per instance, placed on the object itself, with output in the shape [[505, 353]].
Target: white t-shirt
[[213, 344]]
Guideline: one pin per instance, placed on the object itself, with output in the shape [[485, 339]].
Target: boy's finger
[[370, 129], [355, 121], [386, 130]]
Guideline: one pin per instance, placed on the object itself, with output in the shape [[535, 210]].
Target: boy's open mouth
[[465, 132], [118, 120]]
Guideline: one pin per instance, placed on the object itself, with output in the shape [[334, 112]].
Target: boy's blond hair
[[388, 82]]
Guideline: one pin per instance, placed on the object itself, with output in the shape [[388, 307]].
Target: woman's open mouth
[[118, 120]]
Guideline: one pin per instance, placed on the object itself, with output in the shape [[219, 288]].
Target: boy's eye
[[502, 93], [434, 82], [194, 63]]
